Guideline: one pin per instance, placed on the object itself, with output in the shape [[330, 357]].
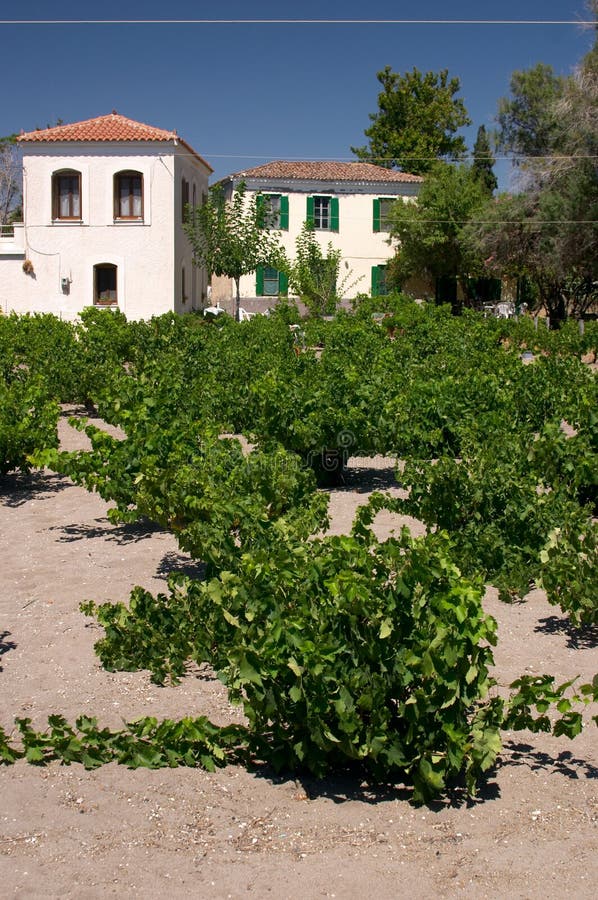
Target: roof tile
[[327, 171], [112, 127]]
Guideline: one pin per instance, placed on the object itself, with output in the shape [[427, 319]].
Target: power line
[[578, 22]]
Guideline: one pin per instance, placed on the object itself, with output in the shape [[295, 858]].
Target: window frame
[[105, 301], [118, 215], [261, 278], [332, 214], [57, 195]]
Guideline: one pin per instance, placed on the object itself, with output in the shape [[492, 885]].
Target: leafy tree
[[483, 162], [417, 120], [229, 238], [314, 275], [548, 233], [433, 238], [10, 185], [528, 120]]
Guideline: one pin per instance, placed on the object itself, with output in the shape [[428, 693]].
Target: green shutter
[[283, 283], [376, 214], [310, 211], [284, 213], [375, 275], [259, 281], [334, 213]]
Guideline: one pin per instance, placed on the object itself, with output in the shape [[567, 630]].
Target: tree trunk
[[237, 298]]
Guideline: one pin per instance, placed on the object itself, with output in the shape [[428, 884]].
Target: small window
[[66, 195], [128, 195], [274, 211], [270, 282], [105, 281], [322, 213], [382, 207]]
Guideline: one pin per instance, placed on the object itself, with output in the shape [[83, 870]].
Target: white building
[[103, 205], [347, 202]]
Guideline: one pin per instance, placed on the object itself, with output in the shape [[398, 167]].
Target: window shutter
[[376, 214], [283, 283], [334, 213], [375, 279], [310, 211], [284, 213], [259, 281]]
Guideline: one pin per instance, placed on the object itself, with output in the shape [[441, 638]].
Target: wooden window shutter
[[310, 211], [376, 214], [259, 281], [284, 213], [375, 280], [334, 213], [283, 283]]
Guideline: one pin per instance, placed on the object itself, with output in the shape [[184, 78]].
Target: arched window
[[128, 195], [66, 195], [104, 285]]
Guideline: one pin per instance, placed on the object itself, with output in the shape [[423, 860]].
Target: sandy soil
[[65, 832]]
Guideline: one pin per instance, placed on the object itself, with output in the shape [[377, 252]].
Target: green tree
[[483, 162], [314, 274], [434, 241], [229, 238], [528, 123], [548, 233], [416, 123]]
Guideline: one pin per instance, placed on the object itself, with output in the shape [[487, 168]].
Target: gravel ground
[[65, 832]]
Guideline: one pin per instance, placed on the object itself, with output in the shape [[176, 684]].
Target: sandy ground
[[65, 832]]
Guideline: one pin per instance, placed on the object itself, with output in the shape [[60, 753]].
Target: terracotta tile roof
[[327, 171], [112, 127]]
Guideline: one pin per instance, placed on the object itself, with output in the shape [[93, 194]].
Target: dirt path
[[65, 832]]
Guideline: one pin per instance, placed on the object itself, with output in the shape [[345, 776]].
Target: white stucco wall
[[361, 247], [148, 254]]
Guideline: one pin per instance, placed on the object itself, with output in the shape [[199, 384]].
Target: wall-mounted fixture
[[27, 267], [65, 285]]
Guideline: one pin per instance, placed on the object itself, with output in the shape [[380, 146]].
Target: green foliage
[[314, 276], [27, 421], [483, 162], [432, 232], [416, 123], [344, 651], [228, 235], [144, 743], [527, 120]]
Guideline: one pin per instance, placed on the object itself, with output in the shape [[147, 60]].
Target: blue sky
[[242, 94]]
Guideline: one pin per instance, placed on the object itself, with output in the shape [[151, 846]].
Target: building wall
[[148, 254], [190, 289], [361, 247]]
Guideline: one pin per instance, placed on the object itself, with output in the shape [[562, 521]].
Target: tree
[[548, 233], [229, 236], [314, 275], [528, 121], [10, 180], [416, 123], [432, 233], [483, 162]]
